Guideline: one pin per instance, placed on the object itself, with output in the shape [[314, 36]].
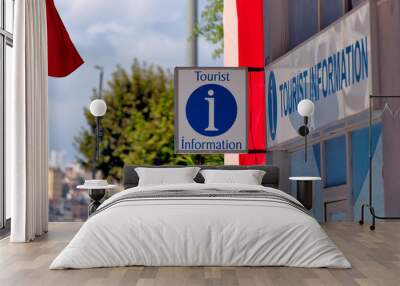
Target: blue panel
[[331, 11], [317, 156], [303, 20], [335, 161], [340, 216], [359, 156]]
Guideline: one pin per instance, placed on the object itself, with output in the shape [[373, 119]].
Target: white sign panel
[[333, 69], [210, 110]]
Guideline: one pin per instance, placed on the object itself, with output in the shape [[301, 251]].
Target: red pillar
[[251, 55]]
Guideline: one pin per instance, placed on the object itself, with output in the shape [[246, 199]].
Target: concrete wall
[[388, 46]]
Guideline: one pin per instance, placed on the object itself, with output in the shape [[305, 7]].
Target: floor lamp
[[369, 205]]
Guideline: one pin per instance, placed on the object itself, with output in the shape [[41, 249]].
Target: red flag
[[251, 54], [63, 57]]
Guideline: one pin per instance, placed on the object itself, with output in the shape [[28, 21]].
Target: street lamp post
[[101, 69], [98, 108]]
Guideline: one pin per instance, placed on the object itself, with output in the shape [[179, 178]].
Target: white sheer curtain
[[26, 123]]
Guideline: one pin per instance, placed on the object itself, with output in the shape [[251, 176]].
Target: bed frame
[[270, 179]]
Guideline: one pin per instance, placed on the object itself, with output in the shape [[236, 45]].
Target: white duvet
[[200, 231]]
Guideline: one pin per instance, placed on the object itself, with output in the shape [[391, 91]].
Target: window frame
[[347, 5], [6, 39]]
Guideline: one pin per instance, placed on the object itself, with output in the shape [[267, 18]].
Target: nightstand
[[96, 193], [305, 190]]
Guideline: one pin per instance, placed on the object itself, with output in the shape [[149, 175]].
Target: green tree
[[210, 25], [138, 127]]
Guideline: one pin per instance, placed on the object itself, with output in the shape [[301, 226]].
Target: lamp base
[[96, 196], [305, 193]]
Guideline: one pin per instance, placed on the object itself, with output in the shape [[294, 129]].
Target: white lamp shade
[[305, 107], [98, 107]]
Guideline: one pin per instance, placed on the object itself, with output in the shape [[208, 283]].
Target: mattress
[[201, 225]]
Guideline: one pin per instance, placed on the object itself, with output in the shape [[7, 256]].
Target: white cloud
[[134, 12], [105, 28]]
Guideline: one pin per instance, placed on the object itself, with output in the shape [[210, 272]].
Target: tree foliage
[[210, 25], [138, 127]]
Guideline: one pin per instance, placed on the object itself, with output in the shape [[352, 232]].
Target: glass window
[[335, 162], [2, 195], [331, 10], [360, 158], [8, 70], [1, 14], [6, 25], [356, 2], [350, 4], [9, 13], [303, 20]]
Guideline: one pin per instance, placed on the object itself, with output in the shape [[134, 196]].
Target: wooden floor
[[375, 257]]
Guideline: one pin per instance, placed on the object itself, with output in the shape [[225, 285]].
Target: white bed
[[202, 231]]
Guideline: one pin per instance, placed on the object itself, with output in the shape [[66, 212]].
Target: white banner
[[333, 69], [210, 110]]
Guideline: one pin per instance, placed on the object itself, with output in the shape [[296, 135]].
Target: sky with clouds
[[108, 33]]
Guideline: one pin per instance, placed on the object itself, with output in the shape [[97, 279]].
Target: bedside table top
[[305, 178], [86, 187]]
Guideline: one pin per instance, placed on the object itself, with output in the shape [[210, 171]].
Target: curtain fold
[[26, 123]]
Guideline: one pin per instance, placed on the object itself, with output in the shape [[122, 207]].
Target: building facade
[[56, 183], [301, 33]]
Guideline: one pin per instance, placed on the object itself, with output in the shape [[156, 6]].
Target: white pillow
[[165, 176], [248, 177]]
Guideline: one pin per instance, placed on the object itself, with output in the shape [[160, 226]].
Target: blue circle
[[208, 99], [272, 106]]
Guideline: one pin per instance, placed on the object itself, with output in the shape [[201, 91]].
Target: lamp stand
[[96, 153], [304, 131], [305, 138]]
